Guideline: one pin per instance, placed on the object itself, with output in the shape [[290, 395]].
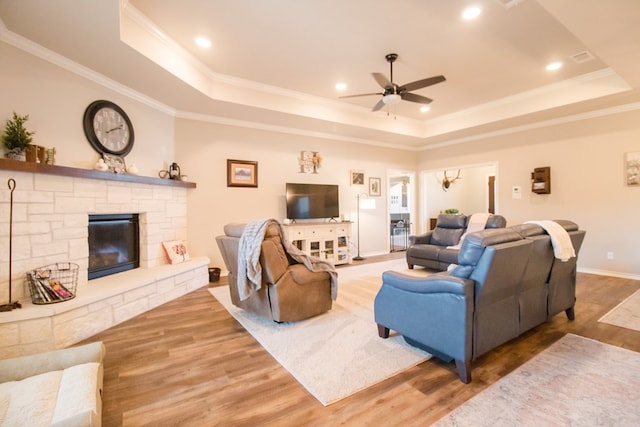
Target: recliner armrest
[[421, 239], [437, 283]]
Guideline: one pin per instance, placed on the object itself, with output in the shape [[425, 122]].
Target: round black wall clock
[[108, 128]]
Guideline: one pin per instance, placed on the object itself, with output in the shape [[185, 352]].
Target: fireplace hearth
[[113, 244]]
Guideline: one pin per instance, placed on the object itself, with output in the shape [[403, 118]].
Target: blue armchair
[[462, 314], [506, 282]]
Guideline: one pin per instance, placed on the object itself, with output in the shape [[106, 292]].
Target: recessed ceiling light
[[425, 109], [471, 13], [203, 42], [341, 86], [554, 66]]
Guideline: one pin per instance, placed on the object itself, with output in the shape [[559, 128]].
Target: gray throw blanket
[[249, 277]]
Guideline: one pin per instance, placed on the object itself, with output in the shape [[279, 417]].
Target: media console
[[326, 240]]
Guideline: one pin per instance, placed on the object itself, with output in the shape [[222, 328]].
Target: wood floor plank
[[190, 363]]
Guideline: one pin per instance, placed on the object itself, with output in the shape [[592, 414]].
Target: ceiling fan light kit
[[391, 99], [394, 93]]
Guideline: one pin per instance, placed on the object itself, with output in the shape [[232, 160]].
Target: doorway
[[491, 199], [473, 191], [401, 206]]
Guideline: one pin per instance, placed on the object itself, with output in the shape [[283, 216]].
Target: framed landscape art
[[242, 173]]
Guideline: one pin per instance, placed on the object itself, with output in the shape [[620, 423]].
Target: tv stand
[[325, 240]]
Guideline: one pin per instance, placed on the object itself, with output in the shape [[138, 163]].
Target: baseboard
[[609, 273]]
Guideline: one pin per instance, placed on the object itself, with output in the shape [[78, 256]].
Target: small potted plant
[[16, 138]]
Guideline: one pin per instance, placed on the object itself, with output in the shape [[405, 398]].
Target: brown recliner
[[289, 291]]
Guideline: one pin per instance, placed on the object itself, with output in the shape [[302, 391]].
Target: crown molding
[[289, 130], [65, 63], [541, 124]]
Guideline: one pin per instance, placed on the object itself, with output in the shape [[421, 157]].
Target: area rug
[[626, 314], [337, 353], [575, 382]]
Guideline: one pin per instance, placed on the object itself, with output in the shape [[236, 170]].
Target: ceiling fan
[[394, 93]]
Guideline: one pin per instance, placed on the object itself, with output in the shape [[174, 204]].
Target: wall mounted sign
[[632, 168], [309, 162]]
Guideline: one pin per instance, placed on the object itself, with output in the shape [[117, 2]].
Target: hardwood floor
[[189, 363]]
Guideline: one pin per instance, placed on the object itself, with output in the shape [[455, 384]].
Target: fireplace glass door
[[113, 244]]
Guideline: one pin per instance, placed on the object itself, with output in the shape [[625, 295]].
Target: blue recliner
[[435, 249], [506, 281], [464, 313]]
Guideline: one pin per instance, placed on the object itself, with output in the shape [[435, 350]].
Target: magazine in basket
[[53, 283]]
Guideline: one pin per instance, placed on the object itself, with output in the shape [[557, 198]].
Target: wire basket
[[53, 283]]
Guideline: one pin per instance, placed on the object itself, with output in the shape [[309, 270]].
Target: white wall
[[587, 182], [55, 100], [203, 150]]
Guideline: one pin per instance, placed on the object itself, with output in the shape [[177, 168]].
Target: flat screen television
[[312, 201]]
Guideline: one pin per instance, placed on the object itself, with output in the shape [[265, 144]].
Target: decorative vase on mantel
[[16, 154], [31, 153]]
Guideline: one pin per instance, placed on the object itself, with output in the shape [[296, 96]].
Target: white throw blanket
[[477, 222], [560, 240], [249, 277]]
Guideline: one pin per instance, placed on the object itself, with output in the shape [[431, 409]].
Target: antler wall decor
[[446, 182]]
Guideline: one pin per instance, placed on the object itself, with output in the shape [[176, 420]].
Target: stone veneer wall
[[50, 224]]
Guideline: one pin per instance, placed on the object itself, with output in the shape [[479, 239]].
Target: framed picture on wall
[[242, 173], [357, 178], [374, 187]]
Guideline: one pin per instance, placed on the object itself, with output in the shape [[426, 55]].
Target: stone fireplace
[[52, 205]]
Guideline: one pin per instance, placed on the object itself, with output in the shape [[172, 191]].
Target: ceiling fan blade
[[419, 84], [412, 97], [382, 80], [378, 106], [361, 94]]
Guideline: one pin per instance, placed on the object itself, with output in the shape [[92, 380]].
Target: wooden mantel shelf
[[20, 166]]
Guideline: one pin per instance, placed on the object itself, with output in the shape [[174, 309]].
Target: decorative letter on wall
[[632, 163], [310, 162]]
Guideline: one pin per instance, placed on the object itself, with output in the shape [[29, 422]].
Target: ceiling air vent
[[509, 3], [581, 57]]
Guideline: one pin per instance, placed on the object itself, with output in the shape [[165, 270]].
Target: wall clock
[[108, 128]]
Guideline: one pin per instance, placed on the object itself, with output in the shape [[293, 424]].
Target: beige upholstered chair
[[63, 387], [289, 291]]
